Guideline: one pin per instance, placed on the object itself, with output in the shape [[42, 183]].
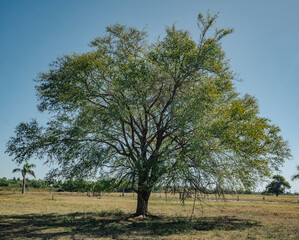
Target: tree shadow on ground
[[110, 224]]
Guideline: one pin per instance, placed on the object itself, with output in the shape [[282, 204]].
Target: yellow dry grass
[[80, 217]]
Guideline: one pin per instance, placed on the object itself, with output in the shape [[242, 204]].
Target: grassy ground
[[80, 217]]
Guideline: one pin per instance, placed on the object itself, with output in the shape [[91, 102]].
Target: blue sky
[[263, 49]]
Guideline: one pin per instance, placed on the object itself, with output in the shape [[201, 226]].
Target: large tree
[[27, 169], [278, 185], [152, 112]]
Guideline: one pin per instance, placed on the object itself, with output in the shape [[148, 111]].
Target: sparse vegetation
[[78, 217]]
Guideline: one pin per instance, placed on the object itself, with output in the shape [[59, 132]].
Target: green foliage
[[27, 169], [105, 185], [77, 186], [4, 182], [164, 112], [296, 176], [38, 184], [278, 185], [12, 184]]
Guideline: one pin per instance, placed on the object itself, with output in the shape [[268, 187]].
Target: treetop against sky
[[265, 61]]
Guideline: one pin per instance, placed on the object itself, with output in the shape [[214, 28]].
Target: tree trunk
[[142, 203], [23, 188]]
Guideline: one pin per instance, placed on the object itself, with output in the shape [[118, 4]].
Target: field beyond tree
[[76, 216]]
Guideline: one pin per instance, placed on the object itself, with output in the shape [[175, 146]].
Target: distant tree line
[[78, 185], [99, 186], [17, 183]]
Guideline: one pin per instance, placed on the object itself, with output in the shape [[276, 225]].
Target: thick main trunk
[[23, 188], [142, 203]]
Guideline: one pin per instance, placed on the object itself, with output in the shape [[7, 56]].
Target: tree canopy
[[278, 185], [147, 113]]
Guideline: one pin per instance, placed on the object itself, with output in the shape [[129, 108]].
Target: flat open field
[[38, 216]]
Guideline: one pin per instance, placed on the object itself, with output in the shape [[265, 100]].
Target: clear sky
[[264, 51]]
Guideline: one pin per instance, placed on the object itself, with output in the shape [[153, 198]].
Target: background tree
[[296, 176], [165, 112], [4, 182], [278, 185], [27, 169]]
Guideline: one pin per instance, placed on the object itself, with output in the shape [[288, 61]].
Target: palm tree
[[296, 176], [26, 169]]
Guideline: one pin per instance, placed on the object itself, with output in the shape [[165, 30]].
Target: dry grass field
[[38, 216]]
